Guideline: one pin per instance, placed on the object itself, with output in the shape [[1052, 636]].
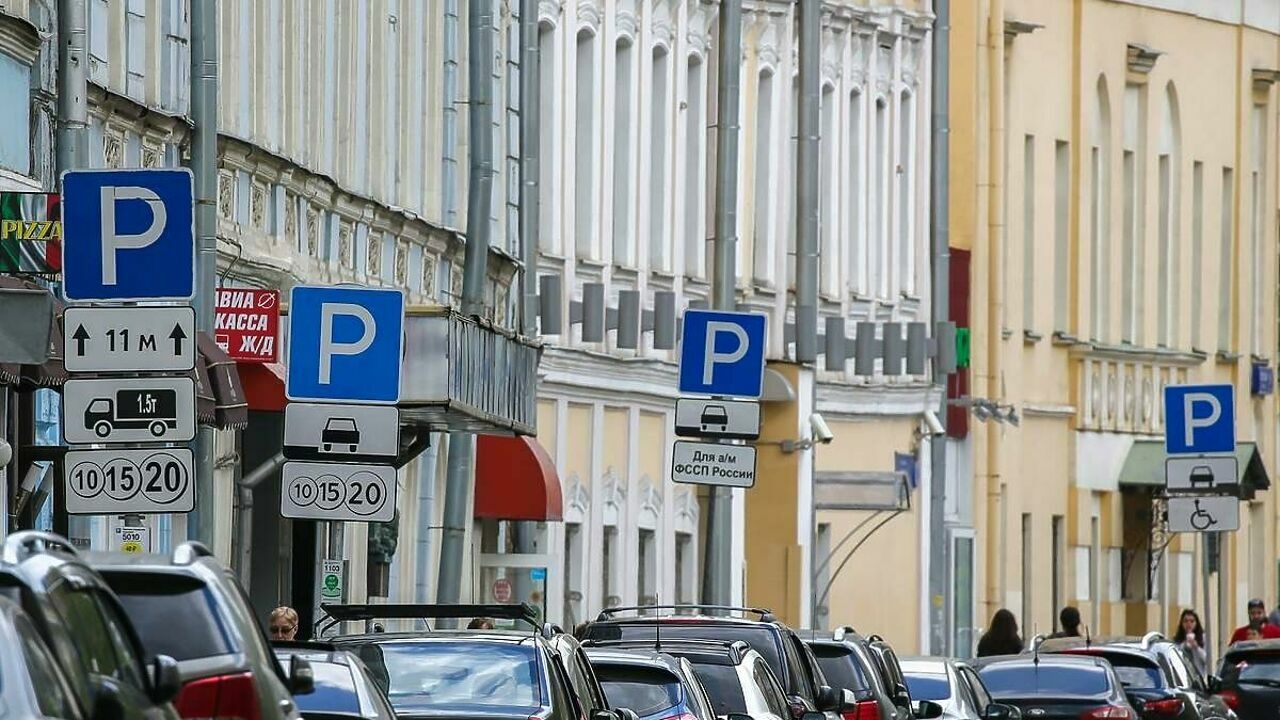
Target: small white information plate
[[1210, 513], [335, 491], [129, 339], [128, 410], [730, 419], [121, 482], [713, 464], [1211, 474]]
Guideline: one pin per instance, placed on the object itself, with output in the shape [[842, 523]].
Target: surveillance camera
[[934, 424], [821, 431], [6, 452]]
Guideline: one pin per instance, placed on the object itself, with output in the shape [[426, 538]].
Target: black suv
[[789, 658], [82, 622], [190, 607], [868, 667], [1251, 679], [1159, 679], [539, 674]]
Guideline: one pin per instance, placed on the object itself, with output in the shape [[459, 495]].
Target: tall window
[[686, 582], [762, 195], [1226, 233], [612, 559], [829, 260], [584, 147], [1135, 123], [1028, 573], [1197, 250], [1061, 230], [1129, 280], [1029, 232], [659, 238], [15, 89], [1169, 203], [880, 216], [793, 135], [647, 572], [694, 156], [623, 144], [906, 178], [573, 585], [855, 199], [1257, 221], [547, 151], [1164, 230], [1057, 566]]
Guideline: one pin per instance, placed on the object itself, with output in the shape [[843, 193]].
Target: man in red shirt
[[1257, 624]]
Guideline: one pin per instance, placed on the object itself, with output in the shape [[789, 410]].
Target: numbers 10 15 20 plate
[[112, 482]]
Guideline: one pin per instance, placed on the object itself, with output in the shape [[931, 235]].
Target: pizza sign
[[247, 326]]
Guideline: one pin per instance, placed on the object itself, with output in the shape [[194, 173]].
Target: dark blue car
[[653, 684], [344, 688]]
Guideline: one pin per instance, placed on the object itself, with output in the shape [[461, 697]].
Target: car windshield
[[1045, 680], [927, 686], [723, 687], [841, 667], [454, 675], [157, 604], [1259, 669], [645, 690], [761, 637]]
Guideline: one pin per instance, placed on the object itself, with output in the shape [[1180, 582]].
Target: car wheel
[[157, 428], [102, 429]]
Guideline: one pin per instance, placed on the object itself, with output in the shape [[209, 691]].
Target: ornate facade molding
[[1141, 58], [626, 24], [19, 38], [577, 501], [549, 12], [590, 16]]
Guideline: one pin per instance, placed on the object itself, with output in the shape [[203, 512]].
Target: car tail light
[[1231, 698], [1170, 707], [864, 710], [225, 697], [1108, 712]]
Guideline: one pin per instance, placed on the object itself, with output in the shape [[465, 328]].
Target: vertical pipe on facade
[[530, 119], [716, 578], [457, 505], [807, 202], [995, 237], [940, 214]]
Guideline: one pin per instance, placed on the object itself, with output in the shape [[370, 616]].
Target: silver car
[[956, 687]]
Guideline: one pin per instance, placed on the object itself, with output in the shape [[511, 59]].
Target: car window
[[891, 665], [698, 694], [92, 639], [1137, 673], [1256, 669], [774, 696], [335, 690], [723, 686], [762, 637], [801, 661], [583, 679], [1183, 677], [1027, 680], [46, 678], [127, 651], [980, 695], [841, 668], [645, 690], [158, 604], [928, 686], [563, 704], [433, 674]]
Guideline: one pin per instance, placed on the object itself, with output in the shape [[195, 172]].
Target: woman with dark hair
[[1190, 637], [1002, 637]]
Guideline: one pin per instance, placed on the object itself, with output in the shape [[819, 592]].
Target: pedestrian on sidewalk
[[1069, 619], [481, 623], [1002, 637], [1257, 624], [1190, 637], [283, 623]]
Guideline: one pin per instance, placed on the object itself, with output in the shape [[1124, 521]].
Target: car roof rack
[[1152, 638], [336, 614], [21, 545], [737, 647], [189, 552], [765, 614], [842, 632]]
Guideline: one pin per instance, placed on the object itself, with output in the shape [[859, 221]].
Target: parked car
[[790, 659], [445, 673], [343, 687], [869, 670], [653, 684], [1158, 678], [32, 685], [1057, 687], [187, 605], [86, 630], [582, 676], [1251, 679], [956, 688]]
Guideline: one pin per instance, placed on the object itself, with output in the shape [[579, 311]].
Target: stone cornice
[[880, 398], [19, 38], [1128, 353]]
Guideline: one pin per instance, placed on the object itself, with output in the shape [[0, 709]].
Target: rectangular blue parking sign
[[128, 235], [345, 344], [1199, 419], [722, 353]]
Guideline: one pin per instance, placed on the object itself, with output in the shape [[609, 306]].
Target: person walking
[[481, 623], [1069, 619], [283, 623], [1190, 637], [1002, 637], [1257, 624]]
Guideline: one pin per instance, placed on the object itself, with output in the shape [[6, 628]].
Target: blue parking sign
[[722, 353], [345, 344], [1199, 419], [128, 235]]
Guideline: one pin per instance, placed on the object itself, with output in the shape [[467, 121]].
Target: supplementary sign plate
[[713, 464], [1208, 474], [128, 410], [331, 491], [129, 339], [1210, 513], [735, 419], [118, 482], [133, 540], [345, 433]]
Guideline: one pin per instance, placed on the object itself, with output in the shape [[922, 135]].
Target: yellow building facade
[[1113, 184]]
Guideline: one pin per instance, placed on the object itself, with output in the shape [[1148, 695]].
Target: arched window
[[659, 238], [694, 156], [1100, 215], [829, 158], [624, 126], [762, 195], [881, 246], [855, 198], [906, 254], [547, 148], [584, 231], [1168, 165]]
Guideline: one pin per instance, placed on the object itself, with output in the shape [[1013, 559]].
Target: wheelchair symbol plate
[[1209, 513]]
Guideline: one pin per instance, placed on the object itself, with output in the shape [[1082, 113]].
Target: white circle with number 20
[[164, 478], [365, 494]]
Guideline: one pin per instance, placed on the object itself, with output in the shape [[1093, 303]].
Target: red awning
[[263, 386], [516, 480]]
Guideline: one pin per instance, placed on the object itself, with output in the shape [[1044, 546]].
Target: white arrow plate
[[129, 339]]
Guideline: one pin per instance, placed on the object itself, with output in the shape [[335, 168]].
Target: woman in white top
[[1190, 637]]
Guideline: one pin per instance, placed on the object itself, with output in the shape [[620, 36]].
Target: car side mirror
[[928, 710], [796, 705], [166, 681], [625, 714], [106, 702], [998, 711], [1214, 684], [828, 698], [901, 696], [302, 678]]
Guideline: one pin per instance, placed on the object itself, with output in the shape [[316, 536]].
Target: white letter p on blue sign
[[1199, 419]]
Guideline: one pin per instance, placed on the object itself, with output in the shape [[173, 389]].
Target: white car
[[955, 686]]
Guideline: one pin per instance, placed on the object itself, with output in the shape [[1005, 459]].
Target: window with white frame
[[547, 149], [686, 580], [694, 158], [1168, 235], [1134, 163], [1061, 228], [829, 154], [1226, 234], [659, 238], [1257, 222], [880, 242], [906, 189], [793, 145], [855, 198], [612, 566], [573, 576], [15, 91], [762, 194], [624, 126], [1197, 250], [1029, 232], [647, 568], [584, 147], [1100, 217]]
